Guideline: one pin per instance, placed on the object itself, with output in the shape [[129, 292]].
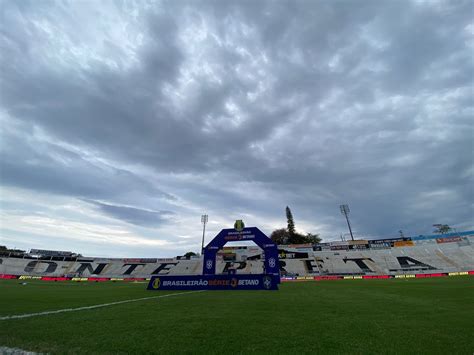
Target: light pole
[[204, 219], [345, 211]]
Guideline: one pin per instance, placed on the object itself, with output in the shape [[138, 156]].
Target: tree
[[9, 250], [280, 236], [291, 222], [290, 236], [189, 254], [313, 238], [442, 228], [297, 238]]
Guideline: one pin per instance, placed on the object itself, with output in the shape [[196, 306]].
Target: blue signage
[[270, 249], [268, 280], [214, 282]]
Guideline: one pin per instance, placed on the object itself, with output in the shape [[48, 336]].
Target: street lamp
[[204, 219], [345, 211]]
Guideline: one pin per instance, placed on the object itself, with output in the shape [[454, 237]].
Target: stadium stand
[[447, 254]]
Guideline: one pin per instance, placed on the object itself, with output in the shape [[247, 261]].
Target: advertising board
[[213, 282]]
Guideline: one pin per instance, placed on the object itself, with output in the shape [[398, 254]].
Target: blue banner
[[214, 282], [270, 262]]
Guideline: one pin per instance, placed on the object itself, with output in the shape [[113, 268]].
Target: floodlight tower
[[204, 219], [345, 211]]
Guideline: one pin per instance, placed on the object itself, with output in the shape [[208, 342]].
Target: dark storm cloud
[[309, 103], [133, 215]]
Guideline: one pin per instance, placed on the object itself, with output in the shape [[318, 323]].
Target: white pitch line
[[28, 315], [15, 351]]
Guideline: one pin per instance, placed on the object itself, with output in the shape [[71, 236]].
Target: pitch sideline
[[15, 351], [28, 315]]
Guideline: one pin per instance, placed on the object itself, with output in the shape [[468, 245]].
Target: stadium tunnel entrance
[[251, 234]]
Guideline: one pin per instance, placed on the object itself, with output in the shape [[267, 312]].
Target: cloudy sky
[[123, 122]]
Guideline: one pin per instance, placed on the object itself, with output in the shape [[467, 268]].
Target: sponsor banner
[[51, 252], [322, 246], [376, 277], [350, 245], [358, 242], [234, 235], [425, 241], [27, 277], [79, 279], [286, 254], [304, 278], [214, 282], [339, 243], [447, 235], [404, 243], [49, 278], [319, 278], [140, 260], [291, 248], [340, 247], [380, 246], [8, 277], [232, 238], [448, 240], [98, 279], [461, 273], [390, 240], [424, 237], [359, 246], [430, 275]]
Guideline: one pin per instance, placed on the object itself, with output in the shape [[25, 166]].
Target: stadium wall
[[422, 255]]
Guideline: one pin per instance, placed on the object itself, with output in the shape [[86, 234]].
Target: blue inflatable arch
[[270, 249]]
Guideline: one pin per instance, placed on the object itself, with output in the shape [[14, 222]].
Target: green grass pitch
[[413, 316]]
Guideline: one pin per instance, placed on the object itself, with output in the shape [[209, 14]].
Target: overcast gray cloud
[[133, 215], [146, 114]]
